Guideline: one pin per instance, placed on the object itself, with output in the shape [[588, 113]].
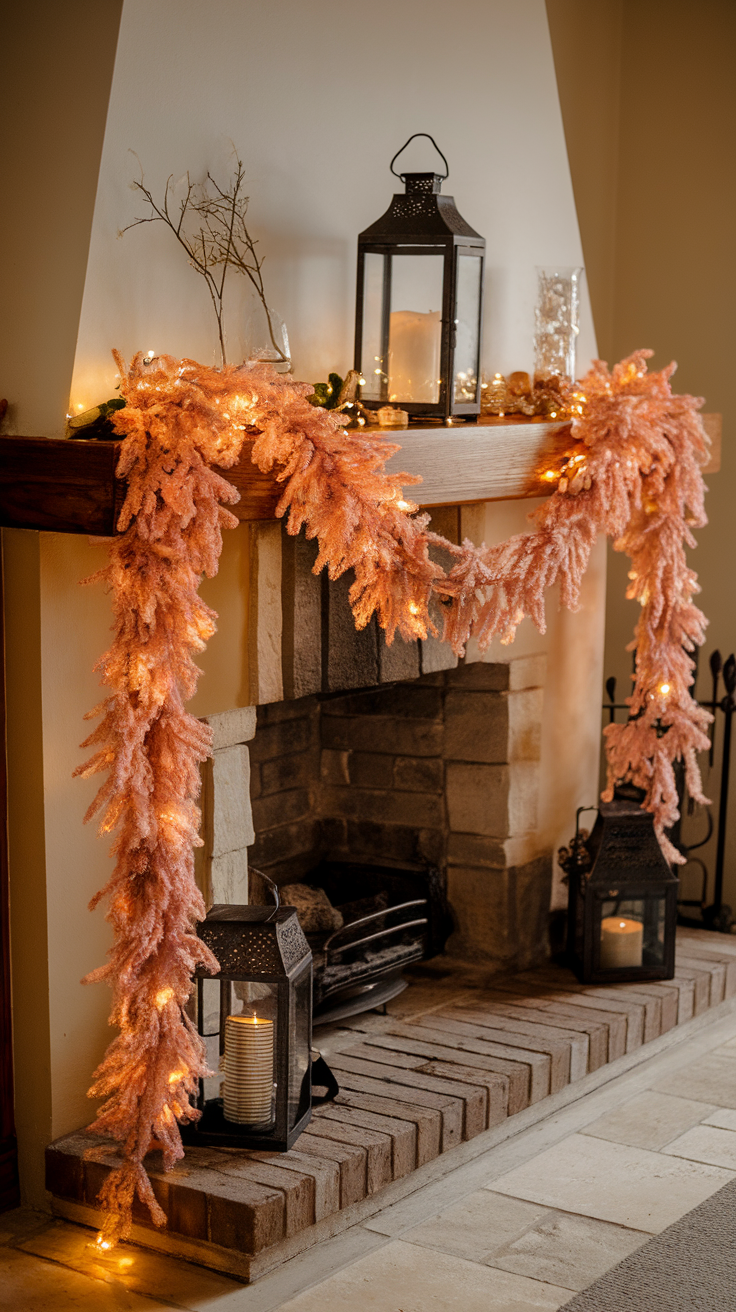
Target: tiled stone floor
[[520, 1227]]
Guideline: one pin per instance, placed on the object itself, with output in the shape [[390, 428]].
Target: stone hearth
[[430, 1085]]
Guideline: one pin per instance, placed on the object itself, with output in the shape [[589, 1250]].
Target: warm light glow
[[549, 474], [553, 414], [150, 355], [125, 1262], [664, 689], [413, 608], [403, 505], [80, 406], [103, 1244], [175, 1076], [162, 997], [361, 380]]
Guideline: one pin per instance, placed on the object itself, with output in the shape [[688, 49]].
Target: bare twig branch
[[222, 241]]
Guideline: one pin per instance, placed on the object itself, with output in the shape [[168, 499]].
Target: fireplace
[[435, 776]]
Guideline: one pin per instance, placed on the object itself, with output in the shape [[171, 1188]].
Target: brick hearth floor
[[514, 1204]]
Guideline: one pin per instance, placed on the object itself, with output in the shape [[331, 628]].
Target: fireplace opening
[[422, 793]]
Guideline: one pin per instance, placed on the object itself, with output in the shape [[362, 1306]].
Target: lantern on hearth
[[256, 1017], [420, 302], [622, 908]]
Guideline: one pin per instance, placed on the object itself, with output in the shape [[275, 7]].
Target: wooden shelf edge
[[69, 486]]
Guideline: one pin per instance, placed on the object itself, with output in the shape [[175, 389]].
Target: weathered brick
[[415, 701], [276, 712], [525, 724], [334, 767], [395, 841], [407, 737], [482, 903], [478, 799], [264, 613], [227, 806], [476, 726], [293, 771], [352, 654], [301, 607], [475, 850], [371, 770], [232, 727], [532, 890], [483, 675], [282, 738], [227, 879], [419, 774], [431, 846], [391, 807], [399, 661], [523, 791], [284, 842], [280, 808]]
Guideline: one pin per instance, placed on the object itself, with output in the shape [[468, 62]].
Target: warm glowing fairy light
[[413, 608], [664, 689], [175, 1076], [162, 997], [549, 474], [403, 505], [103, 1244]]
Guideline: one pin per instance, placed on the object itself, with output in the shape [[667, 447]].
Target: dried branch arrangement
[[633, 472], [219, 243]]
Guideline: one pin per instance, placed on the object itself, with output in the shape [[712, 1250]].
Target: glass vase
[[266, 338], [556, 323]]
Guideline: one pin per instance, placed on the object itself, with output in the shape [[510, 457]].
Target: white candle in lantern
[[622, 942], [248, 1085], [414, 355]]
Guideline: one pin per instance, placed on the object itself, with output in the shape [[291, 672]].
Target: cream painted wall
[[316, 133], [317, 98], [647, 93]]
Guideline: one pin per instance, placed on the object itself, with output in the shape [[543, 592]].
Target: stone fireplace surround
[[361, 751]]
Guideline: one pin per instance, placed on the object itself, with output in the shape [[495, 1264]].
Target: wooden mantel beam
[[69, 486]]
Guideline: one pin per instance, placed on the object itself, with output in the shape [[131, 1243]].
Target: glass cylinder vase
[[556, 322], [266, 338]]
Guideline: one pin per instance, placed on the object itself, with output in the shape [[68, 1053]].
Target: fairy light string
[[634, 474]]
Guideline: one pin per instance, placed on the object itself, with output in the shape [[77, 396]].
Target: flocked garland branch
[[634, 474], [636, 477]]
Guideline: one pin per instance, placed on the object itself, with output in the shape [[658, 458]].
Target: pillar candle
[[248, 1064], [414, 356], [621, 942]]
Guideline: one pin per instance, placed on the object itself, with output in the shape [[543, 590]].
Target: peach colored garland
[[635, 476]]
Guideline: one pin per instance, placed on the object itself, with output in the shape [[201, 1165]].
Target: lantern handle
[[401, 176], [272, 888]]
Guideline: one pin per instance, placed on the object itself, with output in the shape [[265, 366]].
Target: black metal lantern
[[622, 908], [259, 1007], [420, 303]]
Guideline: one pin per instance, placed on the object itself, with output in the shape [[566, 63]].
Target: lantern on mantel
[[259, 1008], [622, 907], [420, 303]]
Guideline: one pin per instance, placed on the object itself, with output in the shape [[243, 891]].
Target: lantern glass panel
[[467, 327], [415, 328], [630, 932], [250, 1037], [300, 1046], [373, 362]]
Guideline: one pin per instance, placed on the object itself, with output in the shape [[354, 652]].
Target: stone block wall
[[441, 770]]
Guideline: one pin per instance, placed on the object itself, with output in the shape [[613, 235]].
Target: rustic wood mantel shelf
[[69, 486]]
